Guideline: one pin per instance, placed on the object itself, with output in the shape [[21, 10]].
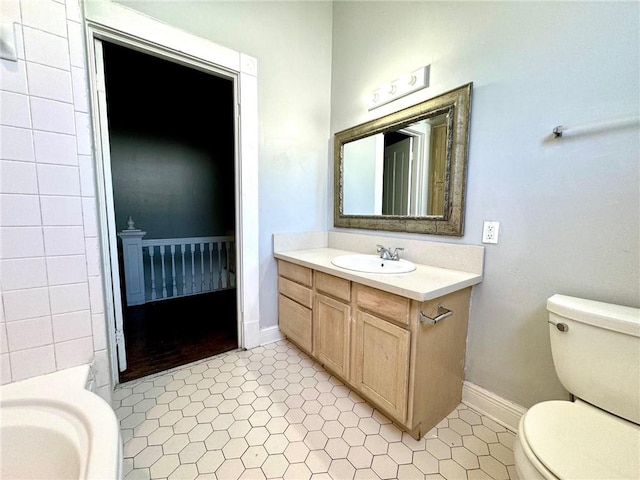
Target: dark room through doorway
[[172, 150]]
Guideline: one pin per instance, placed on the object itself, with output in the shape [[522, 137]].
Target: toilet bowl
[[596, 353]]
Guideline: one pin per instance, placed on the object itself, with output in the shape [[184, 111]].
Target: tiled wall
[[52, 310]]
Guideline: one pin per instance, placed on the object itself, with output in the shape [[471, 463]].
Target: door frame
[[126, 27]]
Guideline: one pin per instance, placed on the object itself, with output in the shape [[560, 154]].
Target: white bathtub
[[52, 427]]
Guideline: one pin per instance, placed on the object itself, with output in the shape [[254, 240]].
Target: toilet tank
[[597, 358]]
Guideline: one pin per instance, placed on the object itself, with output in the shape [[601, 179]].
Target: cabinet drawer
[[295, 272], [295, 291], [295, 322], [333, 286], [382, 304]]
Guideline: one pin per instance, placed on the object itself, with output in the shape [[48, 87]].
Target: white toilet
[[596, 353]]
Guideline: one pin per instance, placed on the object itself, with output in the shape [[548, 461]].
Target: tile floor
[[273, 412]]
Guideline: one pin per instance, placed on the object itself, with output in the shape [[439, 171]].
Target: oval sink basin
[[372, 264]]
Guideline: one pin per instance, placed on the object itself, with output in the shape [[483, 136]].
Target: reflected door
[[437, 170], [397, 168]]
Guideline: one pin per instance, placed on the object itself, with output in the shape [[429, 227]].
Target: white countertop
[[424, 283]]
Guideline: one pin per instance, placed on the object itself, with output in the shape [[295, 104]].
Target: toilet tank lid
[[618, 318]]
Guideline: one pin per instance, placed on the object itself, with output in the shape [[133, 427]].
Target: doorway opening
[[172, 147]]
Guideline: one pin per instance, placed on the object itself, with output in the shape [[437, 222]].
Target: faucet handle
[[379, 248], [396, 252]]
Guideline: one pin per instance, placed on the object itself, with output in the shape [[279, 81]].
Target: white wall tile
[[10, 10], [22, 273], [76, 44], [46, 48], [87, 177], [73, 10], [105, 392], [90, 216], [83, 133], [58, 180], [19, 242], [4, 343], [74, 352], [55, 148], [102, 368], [25, 304], [31, 333], [13, 76], [69, 326], [16, 144], [63, 240], [19, 210], [14, 110], [96, 291], [47, 193], [32, 362], [69, 298], [92, 246], [45, 15], [80, 92], [99, 328], [19, 41], [66, 269], [5, 368], [58, 210], [18, 177], [49, 82], [52, 116]]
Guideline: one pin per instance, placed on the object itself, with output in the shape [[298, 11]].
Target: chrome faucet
[[387, 254]]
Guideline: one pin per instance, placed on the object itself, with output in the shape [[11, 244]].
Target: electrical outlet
[[490, 232]]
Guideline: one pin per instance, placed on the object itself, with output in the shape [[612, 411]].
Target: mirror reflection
[[406, 171], [399, 172]]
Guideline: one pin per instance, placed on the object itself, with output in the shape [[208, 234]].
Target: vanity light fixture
[[400, 87]]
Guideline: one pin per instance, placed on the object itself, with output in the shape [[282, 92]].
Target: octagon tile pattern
[[273, 412]]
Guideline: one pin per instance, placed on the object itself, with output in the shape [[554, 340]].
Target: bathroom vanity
[[397, 340]]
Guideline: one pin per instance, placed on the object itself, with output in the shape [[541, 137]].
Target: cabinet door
[[382, 363], [294, 321], [331, 334]]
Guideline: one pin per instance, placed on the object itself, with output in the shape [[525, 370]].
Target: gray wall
[[568, 209], [171, 134]]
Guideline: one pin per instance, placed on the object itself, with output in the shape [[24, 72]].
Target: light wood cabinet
[[381, 370], [375, 342], [332, 334], [295, 300], [332, 322]]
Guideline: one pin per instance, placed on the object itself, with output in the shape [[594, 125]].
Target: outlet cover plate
[[490, 232]]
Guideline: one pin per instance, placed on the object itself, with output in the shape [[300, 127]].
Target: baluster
[[184, 275], [219, 265], [193, 268], [202, 276], [164, 277], [153, 274], [210, 265], [173, 271], [228, 244]]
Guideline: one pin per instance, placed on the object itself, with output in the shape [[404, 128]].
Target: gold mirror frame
[[457, 103]]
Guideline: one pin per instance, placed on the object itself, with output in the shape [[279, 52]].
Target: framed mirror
[[406, 172]]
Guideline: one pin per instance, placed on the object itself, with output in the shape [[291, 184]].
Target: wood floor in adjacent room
[[170, 333]]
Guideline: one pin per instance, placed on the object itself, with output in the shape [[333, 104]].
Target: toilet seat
[[574, 440]]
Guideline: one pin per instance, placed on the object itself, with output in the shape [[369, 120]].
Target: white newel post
[[133, 266]]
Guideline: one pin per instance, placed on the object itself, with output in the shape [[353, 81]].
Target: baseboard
[[270, 335], [503, 411]]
